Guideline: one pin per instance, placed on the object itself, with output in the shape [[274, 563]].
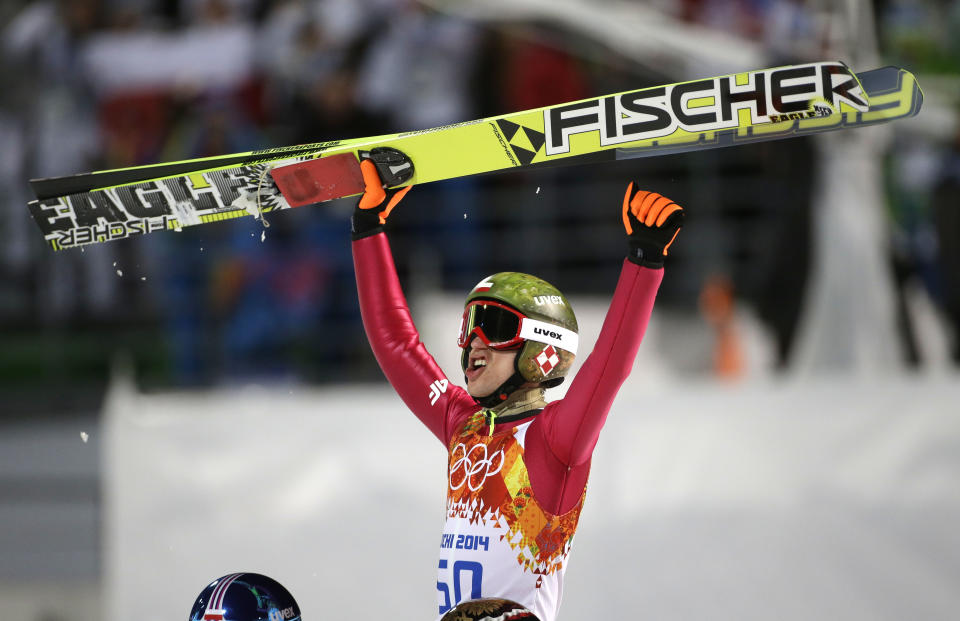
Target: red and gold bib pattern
[[488, 485]]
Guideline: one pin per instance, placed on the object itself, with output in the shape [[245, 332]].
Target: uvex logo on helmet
[[550, 333], [540, 300]]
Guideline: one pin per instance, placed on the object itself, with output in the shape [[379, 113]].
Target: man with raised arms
[[517, 465]]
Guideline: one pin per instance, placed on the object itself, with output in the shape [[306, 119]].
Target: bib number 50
[[468, 572]]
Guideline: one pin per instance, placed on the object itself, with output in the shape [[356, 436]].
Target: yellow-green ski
[[767, 104]]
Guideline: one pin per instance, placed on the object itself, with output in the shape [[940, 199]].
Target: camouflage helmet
[[546, 354], [489, 609]]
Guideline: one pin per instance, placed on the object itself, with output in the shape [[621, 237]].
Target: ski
[[741, 108]]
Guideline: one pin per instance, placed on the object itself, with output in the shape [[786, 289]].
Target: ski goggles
[[502, 327]]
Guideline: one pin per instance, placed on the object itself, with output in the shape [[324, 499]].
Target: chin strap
[[503, 391], [523, 403]]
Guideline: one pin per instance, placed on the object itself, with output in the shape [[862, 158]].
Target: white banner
[[547, 333], [794, 501]]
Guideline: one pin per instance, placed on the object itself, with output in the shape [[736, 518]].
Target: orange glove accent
[[393, 203], [652, 221], [373, 193], [650, 208], [667, 247], [375, 205]]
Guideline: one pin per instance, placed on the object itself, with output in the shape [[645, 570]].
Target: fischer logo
[[438, 388], [703, 105], [472, 463], [540, 300], [550, 333]]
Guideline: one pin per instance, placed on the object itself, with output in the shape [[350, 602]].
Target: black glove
[[652, 222], [380, 167]]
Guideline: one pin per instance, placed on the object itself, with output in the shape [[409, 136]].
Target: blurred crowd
[[96, 84]]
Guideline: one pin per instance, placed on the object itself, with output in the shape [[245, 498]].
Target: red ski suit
[[560, 440]]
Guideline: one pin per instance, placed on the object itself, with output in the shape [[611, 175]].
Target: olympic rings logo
[[474, 462]]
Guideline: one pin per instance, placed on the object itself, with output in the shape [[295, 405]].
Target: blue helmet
[[245, 597]]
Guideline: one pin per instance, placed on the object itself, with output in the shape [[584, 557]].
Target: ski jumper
[[514, 492]]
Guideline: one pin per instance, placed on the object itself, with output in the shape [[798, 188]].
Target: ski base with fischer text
[[742, 108]]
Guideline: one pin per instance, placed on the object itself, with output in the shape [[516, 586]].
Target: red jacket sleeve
[[561, 440], [410, 369]]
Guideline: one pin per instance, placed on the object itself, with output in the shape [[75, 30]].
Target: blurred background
[[184, 405]]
